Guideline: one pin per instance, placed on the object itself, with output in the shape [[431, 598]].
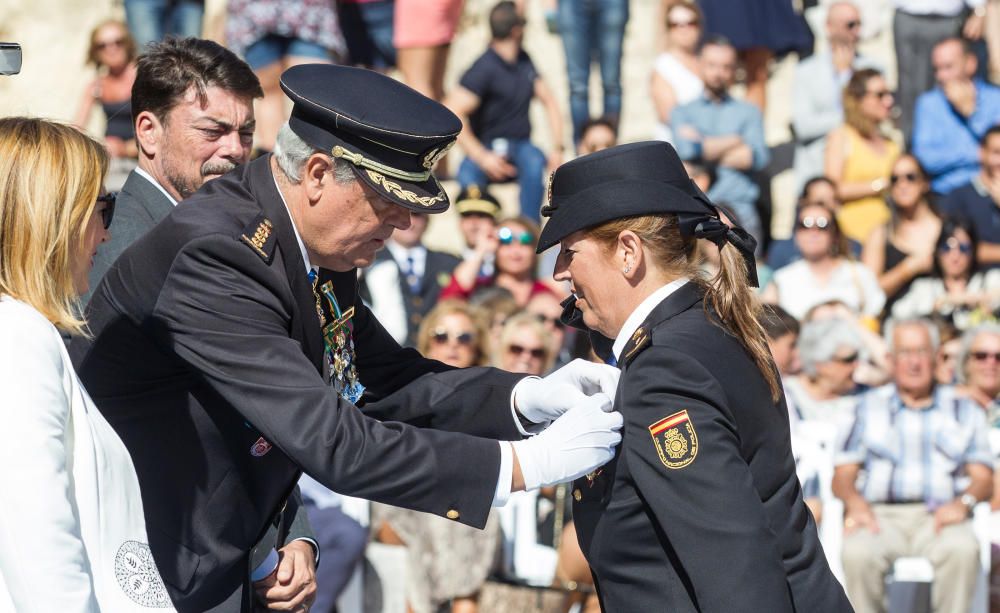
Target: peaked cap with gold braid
[[390, 134]]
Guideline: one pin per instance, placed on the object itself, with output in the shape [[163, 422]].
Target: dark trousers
[[341, 543]]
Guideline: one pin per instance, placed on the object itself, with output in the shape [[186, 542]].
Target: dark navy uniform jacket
[[700, 510], [207, 359]]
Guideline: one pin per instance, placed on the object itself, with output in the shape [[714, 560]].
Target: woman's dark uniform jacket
[[206, 358], [701, 509]]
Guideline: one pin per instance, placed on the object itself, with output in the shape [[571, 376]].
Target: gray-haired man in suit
[[192, 105]]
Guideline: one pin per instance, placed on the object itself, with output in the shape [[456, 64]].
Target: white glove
[[582, 439], [542, 400]]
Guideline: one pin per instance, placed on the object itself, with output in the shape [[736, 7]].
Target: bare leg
[[756, 62]]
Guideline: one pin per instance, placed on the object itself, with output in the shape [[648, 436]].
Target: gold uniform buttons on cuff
[[577, 495], [452, 514]]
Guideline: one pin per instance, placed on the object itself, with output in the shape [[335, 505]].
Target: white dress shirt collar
[[298, 238], [145, 175], [641, 312], [417, 253]]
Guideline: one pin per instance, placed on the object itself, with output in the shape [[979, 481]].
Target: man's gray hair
[[893, 324], [291, 153], [965, 349], [820, 340]]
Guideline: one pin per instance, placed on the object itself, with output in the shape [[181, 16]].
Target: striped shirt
[[914, 454]]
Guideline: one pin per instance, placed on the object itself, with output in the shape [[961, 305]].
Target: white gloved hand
[[582, 439], [543, 400]]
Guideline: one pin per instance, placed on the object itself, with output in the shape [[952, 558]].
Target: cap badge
[[474, 192], [675, 440], [397, 190], [435, 155]]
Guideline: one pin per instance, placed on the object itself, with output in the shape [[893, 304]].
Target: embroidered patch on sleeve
[[675, 440]]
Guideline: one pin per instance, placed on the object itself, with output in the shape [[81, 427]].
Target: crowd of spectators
[[880, 308]]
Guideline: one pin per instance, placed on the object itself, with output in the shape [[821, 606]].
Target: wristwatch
[[969, 501]]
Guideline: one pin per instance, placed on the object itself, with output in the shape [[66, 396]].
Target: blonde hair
[[735, 305], [50, 177], [454, 307], [93, 53], [530, 321]]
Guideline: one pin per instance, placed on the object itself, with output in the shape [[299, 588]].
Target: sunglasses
[[441, 337], [506, 236], [853, 24], [537, 353], [953, 243], [693, 23], [881, 94], [910, 177], [101, 46], [846, 359], [108, 212], [982, 356], [810, 223], [550, 321]]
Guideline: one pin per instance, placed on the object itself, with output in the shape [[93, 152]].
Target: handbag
[[505, 597]]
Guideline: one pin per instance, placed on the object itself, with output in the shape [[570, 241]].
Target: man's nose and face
[[203, 137], [951, 63], [718, 67], [912, 358], [843, 24]]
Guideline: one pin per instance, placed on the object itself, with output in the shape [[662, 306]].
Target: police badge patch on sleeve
[[675, 440]]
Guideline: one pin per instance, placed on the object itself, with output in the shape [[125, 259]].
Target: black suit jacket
[[701, 509], [437, 274], [207, 359]]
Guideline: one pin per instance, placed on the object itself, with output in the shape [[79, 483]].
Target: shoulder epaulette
[[641, 339], [259, 237]]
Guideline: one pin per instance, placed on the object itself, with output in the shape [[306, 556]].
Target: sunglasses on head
[[537, 353], [101, 46], [982, 356], [910, 177], [953, 243], [507, 236], [108, 212], [818, 223]]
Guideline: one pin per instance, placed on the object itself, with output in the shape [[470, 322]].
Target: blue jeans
[[593, 30], [367, 28], [150, 21], [272, 47], [530, 163]]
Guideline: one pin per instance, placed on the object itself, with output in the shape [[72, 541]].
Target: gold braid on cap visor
[[359, 160]]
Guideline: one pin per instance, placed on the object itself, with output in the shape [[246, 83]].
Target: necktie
[[611, 361], [412, 280]]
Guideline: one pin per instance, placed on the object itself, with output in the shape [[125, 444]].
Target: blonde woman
[[525, 346], [454, 333], [72, 534]]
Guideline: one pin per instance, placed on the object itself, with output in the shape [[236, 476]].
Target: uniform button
[[415, 318], [418, 301], [452, 514], [577, 495]]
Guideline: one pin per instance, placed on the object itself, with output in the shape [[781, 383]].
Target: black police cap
[[390, 134], [630, 180]]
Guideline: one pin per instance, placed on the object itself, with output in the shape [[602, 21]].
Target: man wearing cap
[[479, 212], [230, 349], [701, 509]]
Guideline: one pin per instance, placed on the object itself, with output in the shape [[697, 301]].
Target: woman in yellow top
[[859, 155]]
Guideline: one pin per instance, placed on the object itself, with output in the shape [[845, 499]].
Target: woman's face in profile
[[93, 235], [588, 267]]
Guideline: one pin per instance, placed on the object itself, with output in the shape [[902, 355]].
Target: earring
[[627, 268]]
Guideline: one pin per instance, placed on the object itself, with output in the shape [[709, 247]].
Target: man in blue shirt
[[978, 201], [719, 130], [927, 462], [950, 120], [493, 99]]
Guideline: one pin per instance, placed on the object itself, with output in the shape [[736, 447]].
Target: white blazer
[[72, 533]]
